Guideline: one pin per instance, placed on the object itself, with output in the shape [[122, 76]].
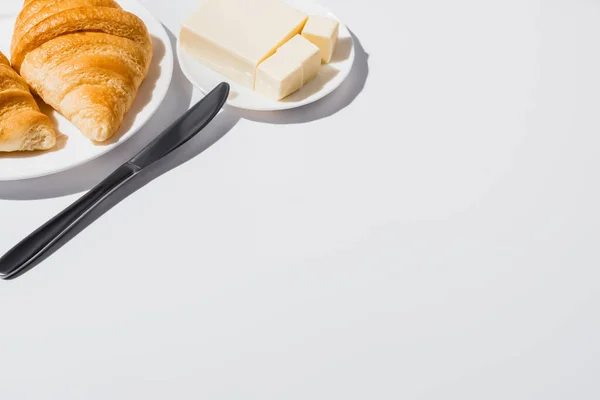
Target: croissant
[[85, 58], [22, 126]]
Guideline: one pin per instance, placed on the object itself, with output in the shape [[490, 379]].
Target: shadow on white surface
[[341, 98], [218, 128], [82, 178]]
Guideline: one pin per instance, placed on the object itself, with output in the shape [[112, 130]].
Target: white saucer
[[73, 149], [330, 77]]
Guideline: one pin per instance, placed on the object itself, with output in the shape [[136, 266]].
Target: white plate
[[330, 77], [73, 148]]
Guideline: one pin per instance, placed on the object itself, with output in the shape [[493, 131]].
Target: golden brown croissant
[[85, 58], [22, 126]]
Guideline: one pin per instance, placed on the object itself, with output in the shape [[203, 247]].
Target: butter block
[[304, 52], [234, 36], [279, 76], [323, 32]]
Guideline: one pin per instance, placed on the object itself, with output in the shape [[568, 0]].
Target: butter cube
[[324, 33], [279, 76], [233, 37], [301, 50]]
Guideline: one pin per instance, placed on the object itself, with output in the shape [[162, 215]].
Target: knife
[[45, 240]]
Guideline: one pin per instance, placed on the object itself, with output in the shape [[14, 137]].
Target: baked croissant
[[22, 126], [85, 58]]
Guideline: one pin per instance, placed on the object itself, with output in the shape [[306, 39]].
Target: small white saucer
[[330, 77]]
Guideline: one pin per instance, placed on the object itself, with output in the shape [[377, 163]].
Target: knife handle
[[45, 240]]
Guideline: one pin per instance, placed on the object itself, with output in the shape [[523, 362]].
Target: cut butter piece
[[323, 32], [304, 52], [279, 76], [234, 36]]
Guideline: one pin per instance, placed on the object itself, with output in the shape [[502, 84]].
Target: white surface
[[330, 77], [74, 149], [436, 238]]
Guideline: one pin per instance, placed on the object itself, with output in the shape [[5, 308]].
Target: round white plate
[[330, 77], [73, 148]]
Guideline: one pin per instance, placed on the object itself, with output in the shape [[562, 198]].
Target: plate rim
[[160, 95], [281, 106]]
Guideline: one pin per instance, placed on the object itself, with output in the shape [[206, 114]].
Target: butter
[[304, 52], [233, 37], [279, 76], [323, 32]]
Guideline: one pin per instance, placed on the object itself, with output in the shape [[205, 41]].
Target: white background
[[429, 231]]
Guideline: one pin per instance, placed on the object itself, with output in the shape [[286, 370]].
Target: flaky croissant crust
[[22, 126], [85, 58]]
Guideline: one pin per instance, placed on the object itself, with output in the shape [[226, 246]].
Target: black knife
[[45, 240]]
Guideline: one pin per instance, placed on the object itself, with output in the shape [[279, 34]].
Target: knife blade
[[46, 240]]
